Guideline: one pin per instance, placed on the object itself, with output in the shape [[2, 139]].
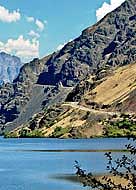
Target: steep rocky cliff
[[9, 67], [109, 43], [112, 41], [15, 97]]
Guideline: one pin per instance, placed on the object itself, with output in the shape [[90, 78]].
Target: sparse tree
[[122, 172]]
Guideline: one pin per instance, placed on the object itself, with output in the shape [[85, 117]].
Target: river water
[[43, 164]]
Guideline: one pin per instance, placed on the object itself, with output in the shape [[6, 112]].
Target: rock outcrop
[[112, 41], [9, 67]]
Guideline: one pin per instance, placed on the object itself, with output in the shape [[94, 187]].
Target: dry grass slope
[[116, 87]]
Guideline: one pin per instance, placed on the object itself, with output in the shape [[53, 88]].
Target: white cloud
[[106, 8], [34, 34], [1, 44], [24, 48], [39, 24], [7, 16], [30, 19], [60, 46]]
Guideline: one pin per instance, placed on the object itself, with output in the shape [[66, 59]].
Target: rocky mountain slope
[[9, 67], [112, 101], [108, 44]]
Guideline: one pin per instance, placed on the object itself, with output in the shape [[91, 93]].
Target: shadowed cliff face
[[15, 97], [108, 43]]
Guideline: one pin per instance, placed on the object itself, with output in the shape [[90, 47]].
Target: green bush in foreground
[[122, 172]]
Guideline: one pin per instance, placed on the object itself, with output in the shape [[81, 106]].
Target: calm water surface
[[32, 164]]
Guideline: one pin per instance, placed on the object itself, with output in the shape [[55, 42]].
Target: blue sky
[[32, 28]]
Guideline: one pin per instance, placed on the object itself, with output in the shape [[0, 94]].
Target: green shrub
[[24, 133], [59, 131], [120, 128], [10, 135], [35, 134]]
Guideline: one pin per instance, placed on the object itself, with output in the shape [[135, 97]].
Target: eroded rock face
[[110, 42], [14, 97], [9, 67]]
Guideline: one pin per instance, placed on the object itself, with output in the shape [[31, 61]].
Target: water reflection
[[47, 164]]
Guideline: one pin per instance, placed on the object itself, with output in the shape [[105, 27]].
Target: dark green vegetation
[[24, 133], [59, 131], [122, 128]]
